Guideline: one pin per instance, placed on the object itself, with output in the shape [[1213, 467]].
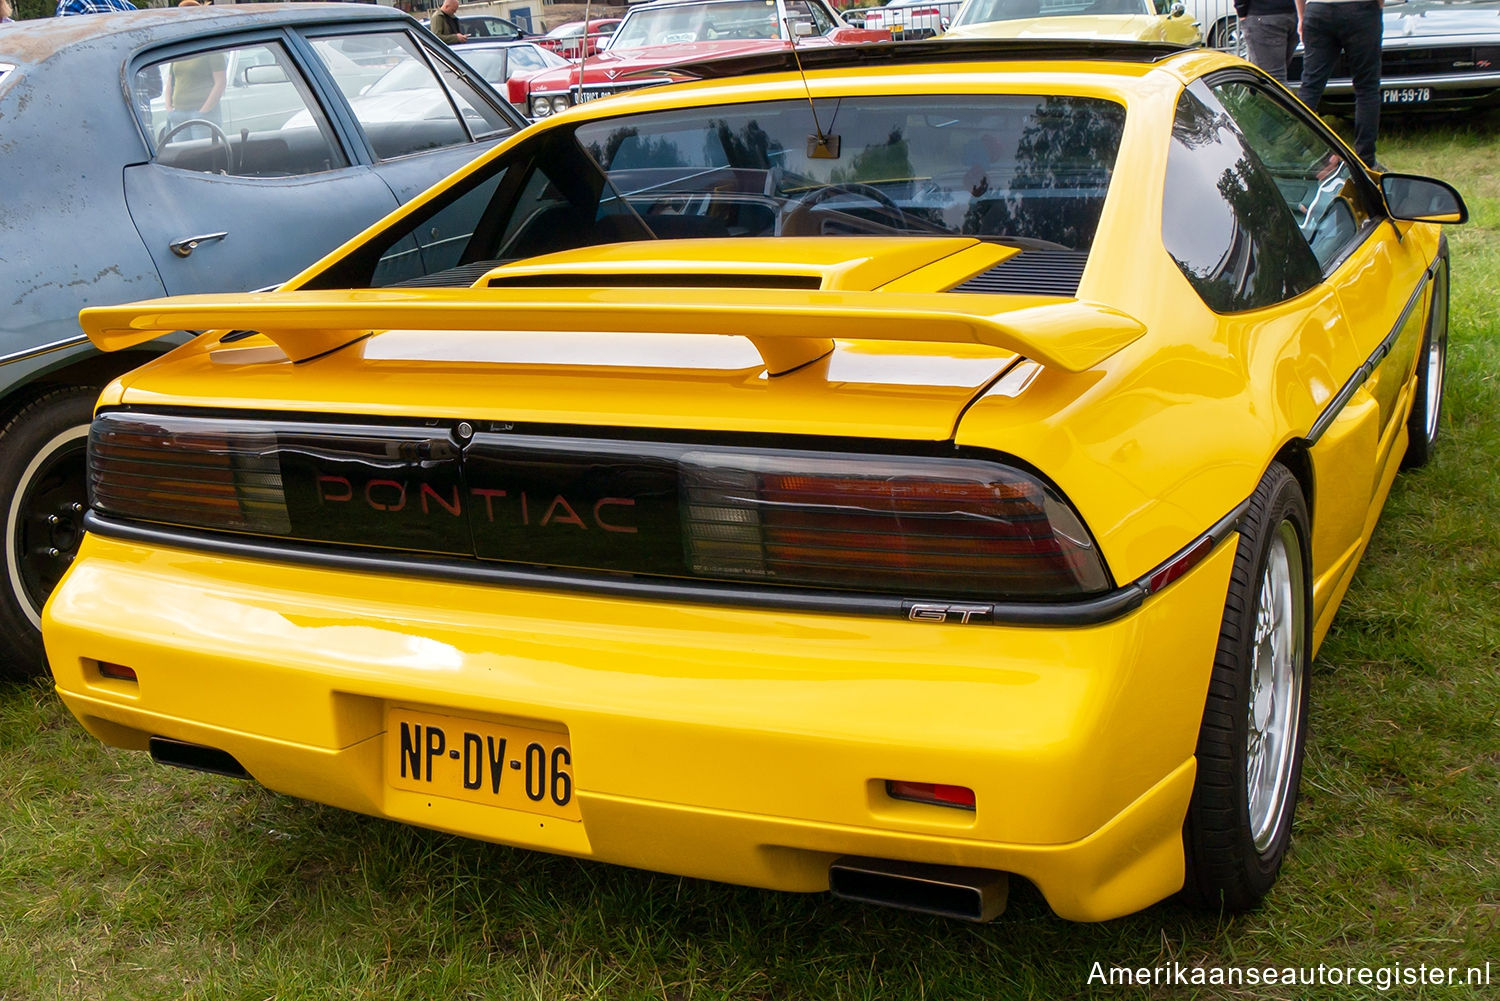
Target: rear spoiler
[[789, 327]]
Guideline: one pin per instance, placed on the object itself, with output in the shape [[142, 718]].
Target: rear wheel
[[1427, 409], [1226, 34], [43, 456], [1239, 822]]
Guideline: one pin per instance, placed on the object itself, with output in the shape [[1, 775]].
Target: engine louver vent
[[1032, 272], [587, 280]]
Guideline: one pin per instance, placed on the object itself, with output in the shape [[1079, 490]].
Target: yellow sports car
[[938, 463], [1122, 20]]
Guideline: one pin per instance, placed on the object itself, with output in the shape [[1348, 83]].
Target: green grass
[[119, 879]]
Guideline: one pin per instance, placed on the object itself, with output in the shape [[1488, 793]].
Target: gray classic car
[[175, 151], [1436, 55]]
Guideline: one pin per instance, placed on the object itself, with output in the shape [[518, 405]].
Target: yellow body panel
[[752, 745]]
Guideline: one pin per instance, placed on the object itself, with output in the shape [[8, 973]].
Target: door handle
[[188, 244]]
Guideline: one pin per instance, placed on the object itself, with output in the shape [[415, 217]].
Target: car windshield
[[727, 20], [1029, 171], [985, 11]]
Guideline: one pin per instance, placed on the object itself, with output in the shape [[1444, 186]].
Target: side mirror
[[802, 29], [264, 74], [1176, 10], [1422, 199]]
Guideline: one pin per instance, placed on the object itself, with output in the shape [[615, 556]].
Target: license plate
[[493, 764], [1406, 95]]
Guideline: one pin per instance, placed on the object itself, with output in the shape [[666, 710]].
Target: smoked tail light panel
[[910, 526], [206, 474], [897, 524]]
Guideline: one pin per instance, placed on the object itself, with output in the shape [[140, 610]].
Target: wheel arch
[[1294, 455], [92, 368]]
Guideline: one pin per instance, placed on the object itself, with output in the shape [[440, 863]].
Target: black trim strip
[[1362, 374], [1090, 611]]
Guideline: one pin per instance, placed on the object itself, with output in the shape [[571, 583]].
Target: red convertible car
[[671, 32]]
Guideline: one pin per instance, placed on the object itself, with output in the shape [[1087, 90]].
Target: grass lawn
[[121, 879]]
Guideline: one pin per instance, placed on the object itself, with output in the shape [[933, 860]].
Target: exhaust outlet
[[949, 891], [181, 754]]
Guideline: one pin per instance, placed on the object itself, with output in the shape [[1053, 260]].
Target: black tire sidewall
[[1224, 868], [36, 432]]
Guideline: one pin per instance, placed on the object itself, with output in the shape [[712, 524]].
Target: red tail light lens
[[889, 523]]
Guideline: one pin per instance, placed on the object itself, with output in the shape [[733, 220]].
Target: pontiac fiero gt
[[938, 466]]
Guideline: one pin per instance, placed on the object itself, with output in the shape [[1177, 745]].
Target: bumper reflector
[[119, 672], [935, 793]]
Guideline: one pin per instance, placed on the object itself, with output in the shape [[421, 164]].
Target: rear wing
[[789, 327]]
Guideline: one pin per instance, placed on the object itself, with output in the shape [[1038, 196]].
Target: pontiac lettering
[[499, 506]]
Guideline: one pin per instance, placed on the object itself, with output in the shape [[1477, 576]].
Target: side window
[[482, 118], [244, 111], [812, 13], [436, 243], [1331, 207], [822, 22], [1224, 221], [400, 104]]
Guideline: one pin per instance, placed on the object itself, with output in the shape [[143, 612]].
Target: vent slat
[[1032, 272]]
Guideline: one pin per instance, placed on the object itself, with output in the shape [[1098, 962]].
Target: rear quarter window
[[1224, 221]]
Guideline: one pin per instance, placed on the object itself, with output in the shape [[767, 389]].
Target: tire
[[43, 478], [1226, 34], [1432, 369], [1239, 822]]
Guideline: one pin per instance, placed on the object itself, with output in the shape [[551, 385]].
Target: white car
[[904, 19]]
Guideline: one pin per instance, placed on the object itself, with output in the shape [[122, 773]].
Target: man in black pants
[[1352, 27], [1270, 30]]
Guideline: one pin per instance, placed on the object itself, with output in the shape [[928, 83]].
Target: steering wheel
[[801, 220], [216, 137]]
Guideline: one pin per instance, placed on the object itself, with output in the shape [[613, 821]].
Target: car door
[[422, 118], [247, 185]]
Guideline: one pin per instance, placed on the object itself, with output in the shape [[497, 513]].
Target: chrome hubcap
[[1275, 686]]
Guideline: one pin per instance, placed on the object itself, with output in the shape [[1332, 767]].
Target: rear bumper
[[730, 744]]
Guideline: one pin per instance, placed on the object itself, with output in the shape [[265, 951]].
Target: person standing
[[1270, 31], [444, 23], [194, 86], [1354, 28], [5, 12]]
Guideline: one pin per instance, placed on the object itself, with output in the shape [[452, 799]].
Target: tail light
[[888, 523], [910, 526], [209, 474]]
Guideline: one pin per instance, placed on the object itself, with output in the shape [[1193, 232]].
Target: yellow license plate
[[515, 767]]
